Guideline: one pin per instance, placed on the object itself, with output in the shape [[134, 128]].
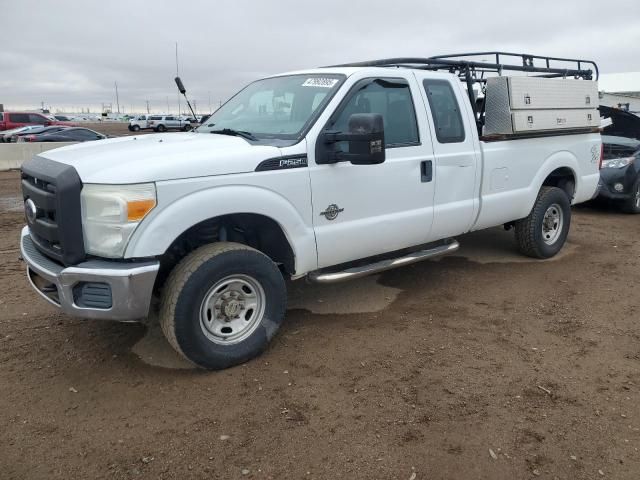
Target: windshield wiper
[[235, 133]]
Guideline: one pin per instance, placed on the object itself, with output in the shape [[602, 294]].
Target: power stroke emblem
[[332, 212]]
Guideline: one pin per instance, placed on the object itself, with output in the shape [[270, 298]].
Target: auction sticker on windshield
[[320, 82]]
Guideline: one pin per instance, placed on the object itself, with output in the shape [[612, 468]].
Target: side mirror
[[364, 142], [180, 86]]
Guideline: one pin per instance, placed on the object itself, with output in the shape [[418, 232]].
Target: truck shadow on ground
[[328, 303]]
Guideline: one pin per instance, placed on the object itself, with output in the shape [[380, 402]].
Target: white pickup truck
[[326, 174]]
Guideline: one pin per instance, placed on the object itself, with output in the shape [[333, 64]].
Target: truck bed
[[507, 191]]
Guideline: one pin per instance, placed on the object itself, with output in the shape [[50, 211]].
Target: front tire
[[543, 233], [222, 304], [135, 128], [161, 128]]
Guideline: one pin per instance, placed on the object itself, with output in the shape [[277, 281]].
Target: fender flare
[[560, 159], [169, 220]]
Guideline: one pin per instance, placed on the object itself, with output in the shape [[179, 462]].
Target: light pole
[[117, 98]]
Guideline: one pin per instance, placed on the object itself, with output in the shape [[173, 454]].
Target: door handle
[[426, 171]]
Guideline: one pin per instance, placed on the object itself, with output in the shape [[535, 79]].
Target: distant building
[[620, 90]]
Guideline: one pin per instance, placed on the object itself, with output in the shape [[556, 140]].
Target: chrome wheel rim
[[637, 196], [552, 224], [232, 309]]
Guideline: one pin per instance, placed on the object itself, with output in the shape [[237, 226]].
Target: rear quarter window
[[18, 117], [445, 111]]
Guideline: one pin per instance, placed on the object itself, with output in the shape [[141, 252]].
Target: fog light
[[92, 295], [618, 187]]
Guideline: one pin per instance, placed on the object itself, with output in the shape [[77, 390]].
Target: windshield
[[279, 107]]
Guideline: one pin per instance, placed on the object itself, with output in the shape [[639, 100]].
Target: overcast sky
[[69, 53]]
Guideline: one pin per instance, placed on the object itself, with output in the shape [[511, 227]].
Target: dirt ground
[[483, 365]]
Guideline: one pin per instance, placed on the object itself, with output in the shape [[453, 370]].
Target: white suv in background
[[139, 123], [162, 123]]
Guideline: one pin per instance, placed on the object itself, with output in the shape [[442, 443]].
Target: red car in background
[[9, 120]]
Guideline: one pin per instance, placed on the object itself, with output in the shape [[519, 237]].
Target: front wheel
[[632, 204], [222, 304], [543, 233], [135, 128]]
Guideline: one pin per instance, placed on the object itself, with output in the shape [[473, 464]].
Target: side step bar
[[363, 270]]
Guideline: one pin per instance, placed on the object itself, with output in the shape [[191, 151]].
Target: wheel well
[[257, 231], [562, 178]]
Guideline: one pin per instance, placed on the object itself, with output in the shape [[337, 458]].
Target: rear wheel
[[632, 204], [543, 233], [222, 304]]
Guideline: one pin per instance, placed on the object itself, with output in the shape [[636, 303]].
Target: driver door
[[365, 210]]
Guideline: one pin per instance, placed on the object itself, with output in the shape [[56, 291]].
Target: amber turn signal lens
[[137, 209]]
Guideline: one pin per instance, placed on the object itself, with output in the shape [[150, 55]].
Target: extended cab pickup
[[10, 120], [327, 174]]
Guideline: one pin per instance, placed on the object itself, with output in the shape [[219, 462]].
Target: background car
[[620, 172], [33, 130], [9, 120], [77, 134], [139, 123], [162, 123], [62, 118], [5, 135]]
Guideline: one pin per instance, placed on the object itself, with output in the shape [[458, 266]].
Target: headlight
[[110, 214], [617, 162]]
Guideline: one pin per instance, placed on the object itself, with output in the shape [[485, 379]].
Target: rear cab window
[[445, 111]]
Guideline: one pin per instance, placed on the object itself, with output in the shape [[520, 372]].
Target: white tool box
[[529, 104]]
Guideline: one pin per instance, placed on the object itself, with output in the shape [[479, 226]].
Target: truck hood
[[164, 156]]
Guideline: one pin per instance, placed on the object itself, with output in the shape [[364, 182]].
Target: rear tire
[[543, 233], [222, 304], [632, 205]]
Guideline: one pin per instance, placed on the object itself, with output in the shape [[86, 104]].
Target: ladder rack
[[461, 63], [471, 69]]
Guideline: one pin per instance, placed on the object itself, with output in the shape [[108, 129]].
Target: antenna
[[177, 75], [183, 91]]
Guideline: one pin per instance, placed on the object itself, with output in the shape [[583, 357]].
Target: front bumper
[[115, 291], [625, 176]]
